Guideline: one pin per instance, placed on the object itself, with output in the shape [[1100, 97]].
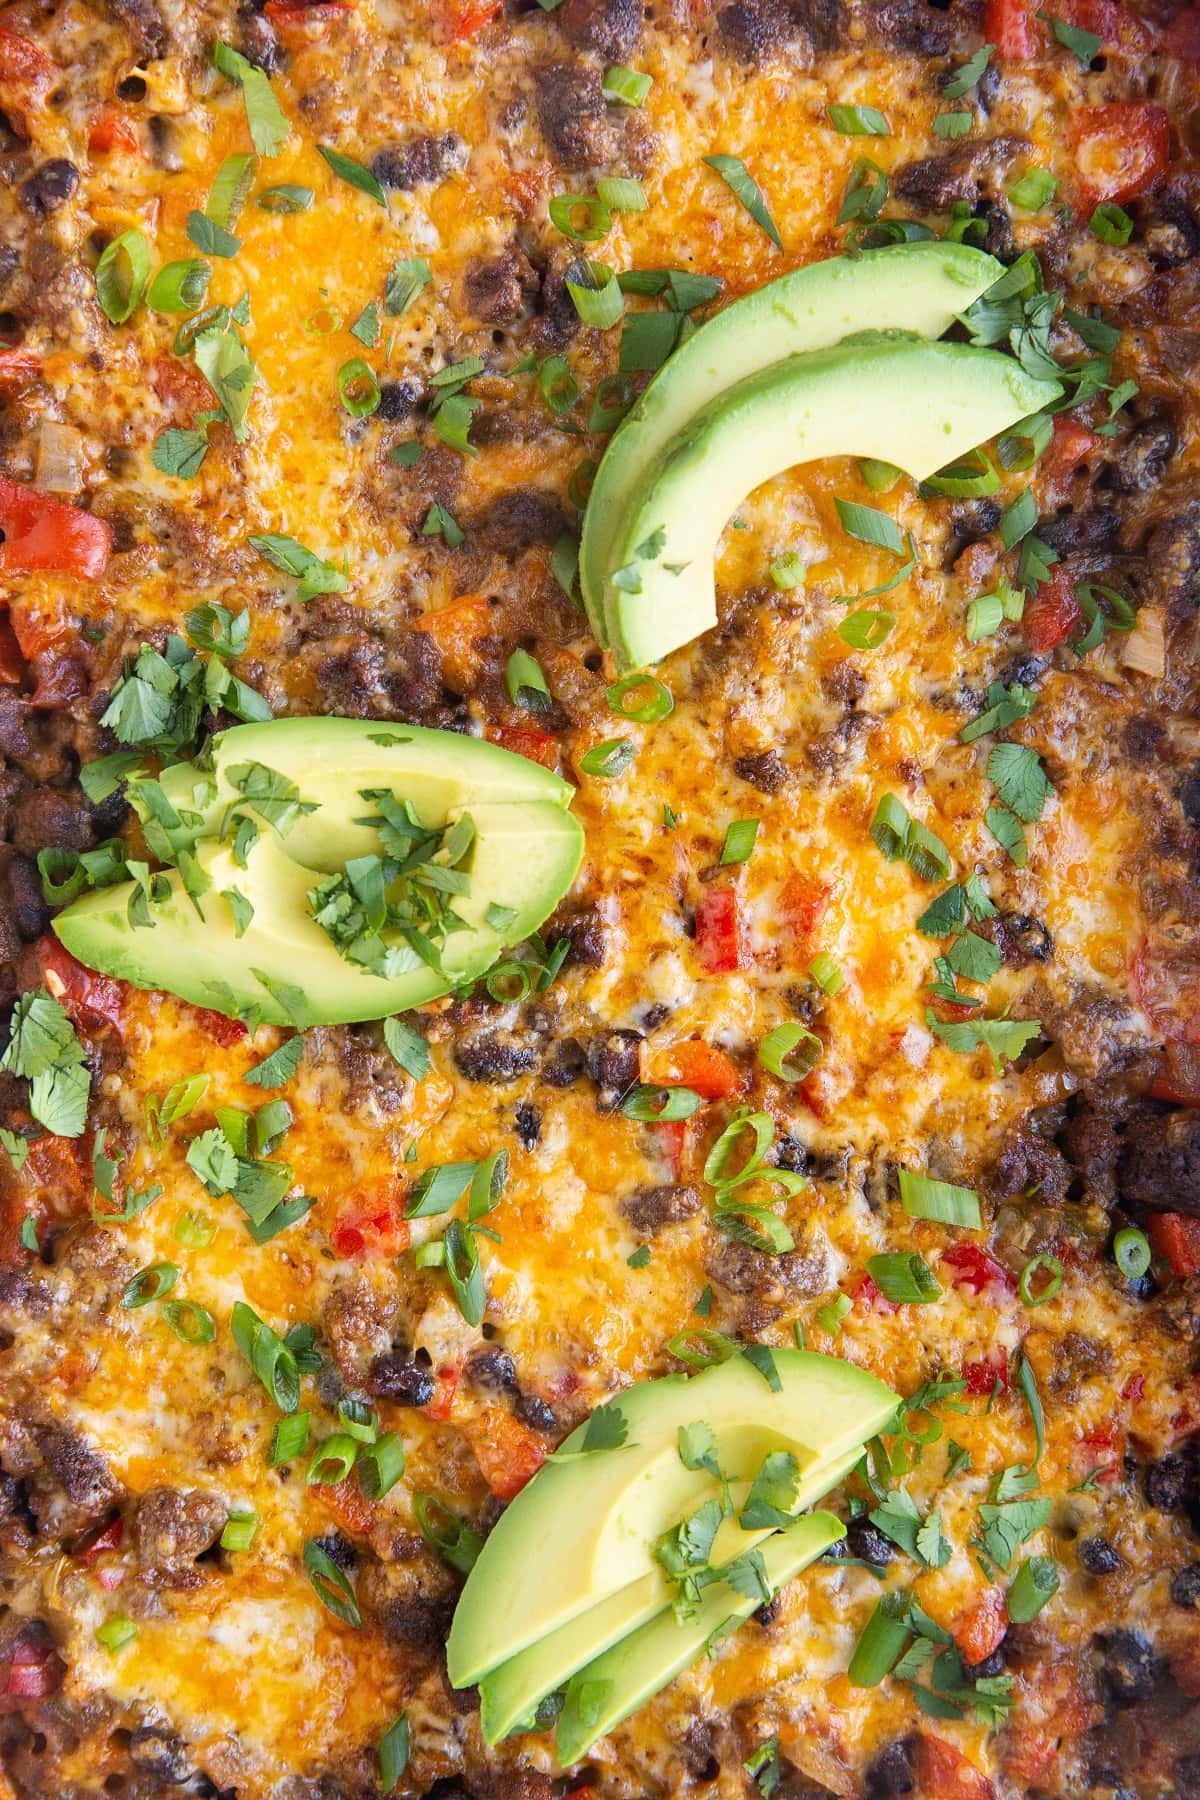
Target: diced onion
[[60, 458], [1145, 647]]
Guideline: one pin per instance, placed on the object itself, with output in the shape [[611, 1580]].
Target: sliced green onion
[[1021, 447], [446, 1533], [289, 1439], [580, 485], [380, 1465], [190, 1321], [660, 1105], [325, 320], [122, 274], [241, 1529], [882, 1643], [889, 828], [866, 630], [965, 480], [791, 1051], [148, 1284], [826, 973], [926, 854], [214, 317], [358, 1420], [196, 1230], [720, 1168], [527, 685], [657, 704], [1112, 224], [1029, 1274], [393, 1753], [739, 841], [430, 1256], [609, 758], [924, 1198], [179, 286], [880, 477], [595, 223], [613, 399], [560, 390], [1131, 1249], [508, 983], [234, 179], [859, 121], [629, 86], [596, 294], [787, 571], [1032, 191], [286, 198], [1035, 1583], [333, 1589], [904, 1278], [115, 1633], [984, 616], [830, 1316], [702, 1349], [333, 1460], [621, 194], [358, 388]]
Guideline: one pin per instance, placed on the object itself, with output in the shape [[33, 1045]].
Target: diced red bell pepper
[[802, 904], [1182, 39], [349, 1506], [100, 1539], [1103, 1453], [88, 997], [526, 740], [509, 1453], [1071, 445], [867, 1297], [43, 532], [287, 16], [983, 1628], [35, 1671], [976, 1268], [944, 1773], [1009, 25], [1052, 613], [112, 130], [375, 1227], [442, 1404], [719, 931], [1176, 1240], [1121, 150], [467, 20], [696, 1065], [672, 1135], [983, 1375], [1134, 1388]]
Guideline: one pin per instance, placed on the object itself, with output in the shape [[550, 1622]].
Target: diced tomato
[[22, 60], [442, 1404], [866, 1295], [348, 1505], [1009, 25], [1134, 1388], [976, 1268], [944, 1773], [180, 387], [1071, 445], [1121, 150], [112, 130], [101, 1539], [526, 740], [802, 904], [1182, 40], [508, 1452], [18, 367], [983, 1628], [1052, 613], [34, 1672], [468, 17], [1176, 1240], [88, 997], [43, 532], [376, 1226], [696, 1065], [221, 1029], [673, 1138], [719, 931], [1113, 24], [1165, 973], [1103, 1453], [983, 1376], [1178, 1076]]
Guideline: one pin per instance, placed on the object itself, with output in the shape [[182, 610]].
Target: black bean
[[162, 1754], [536, 1413], [1185, 1585], [493, 1368], [1097, 1556], [1130, 1668], [394, 1376], [992, 1664], [528, 1123], [398, 400], [891, 1773], [867, 1541], [49, 187], [1143, 457]]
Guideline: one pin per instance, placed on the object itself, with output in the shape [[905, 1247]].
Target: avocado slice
[[584, 1529], [913, 287], [606, 1691], [900, 399], [524, 856], [511, 1693]]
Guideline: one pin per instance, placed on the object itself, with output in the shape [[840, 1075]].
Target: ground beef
[[611, 29], [1173, 558], [147, 28], [358, 1324], [1028, 1161], [756, 31], [418, 160], [82, 1475], [651, 1208], [52, 817], [518, 520], [613, 1061], [773, 1280], [1142, 459], [565, 1063], [173, 1528], [494, 1056], [765, 771], [1160, 1163], [584, 929], [935, 182], [1173, 1482], [161, 1754], [497, 289], [572, 114], [24, 915], [1093, 1146], [1077, 1358], [1185, 1585], [1075, 533], [417, 1621]]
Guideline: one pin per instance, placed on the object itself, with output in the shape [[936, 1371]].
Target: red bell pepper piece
[[526, 740], [1121, 150], [1009, 25], [43, 532], [1176, 1240], [1052, 613], [976, 1268], [719, 931], [88, 997]]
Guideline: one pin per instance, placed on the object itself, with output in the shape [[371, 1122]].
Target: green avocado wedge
[[606, 1691], [279, 963], [511, 1693], [909, 287], [586, 1526], [900, 399]]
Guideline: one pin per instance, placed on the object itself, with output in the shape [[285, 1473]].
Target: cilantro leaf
[[222, 359], [1005, 827], [269, 126], [999, 1037], [276, 1070], [943, 915], [408, 1047], [211, 1159], [179, 453], [1007, 1527], [698, 1447], [773, 1493], [346, 169], [607, 1429], [1005, 706], [899, 1518], [967, 76], [211, 238], [932, 1547], [1021, 780], [759, 1357], [316, 576]]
